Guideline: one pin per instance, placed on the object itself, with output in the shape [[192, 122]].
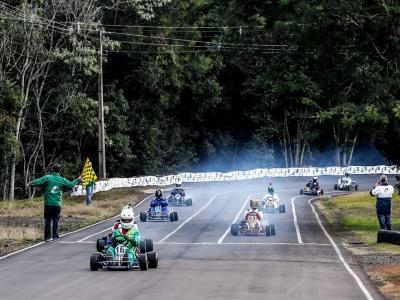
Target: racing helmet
[[158, 193], [315, 178], [254, 203], [347, 174], [178, 184], [127, 218]]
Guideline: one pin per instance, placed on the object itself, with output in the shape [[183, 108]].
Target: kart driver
[[178, 190], [127, 235], [254, 208], [159, 201], [313, 183], [271, 193], [346, 180]]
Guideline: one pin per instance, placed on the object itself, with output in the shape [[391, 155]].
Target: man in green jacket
[[54, 186]]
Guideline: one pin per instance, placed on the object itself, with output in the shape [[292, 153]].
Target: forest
[[194, 85]]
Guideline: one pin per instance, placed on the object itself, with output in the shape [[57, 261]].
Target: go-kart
[[311, 191], [271, 205], [346, 186], [252, 226], [143, 261], [159, 213], [179, 200]]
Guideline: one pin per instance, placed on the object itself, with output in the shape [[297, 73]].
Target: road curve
[[199, 259]]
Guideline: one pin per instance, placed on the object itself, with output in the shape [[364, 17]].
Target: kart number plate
[[157, 209], [120, 250]]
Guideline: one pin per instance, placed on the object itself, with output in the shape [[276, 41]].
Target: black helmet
[[347, 174], [158, 193]]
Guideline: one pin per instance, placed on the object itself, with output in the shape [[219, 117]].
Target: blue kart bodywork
[[159, 213]]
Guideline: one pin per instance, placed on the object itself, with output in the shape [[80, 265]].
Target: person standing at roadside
[[54, 186], [383, 193], [89, 181]]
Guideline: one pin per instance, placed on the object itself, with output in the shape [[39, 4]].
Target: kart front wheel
[[94, 261], [100, 244], [149, 245], [234, 229], [143, 262], [152, 258], [336, 187], [322, 192], [143, 216]]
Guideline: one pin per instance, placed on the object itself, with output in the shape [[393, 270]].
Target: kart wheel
[[143, 216], [175, 216], [336, 187], [142, 246], [171, 217], [234, 229], [322, 192], [302, 192], [273, 229], [268, 230], [282, 208], [189, 202], [152, 258], [356, 187], [143, 262], [149, 245], [94, 261], [100, 244]]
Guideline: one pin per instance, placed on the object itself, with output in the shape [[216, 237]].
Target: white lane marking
[[236, 217], [67, 233], [110, 228], [339, 254], [191, 217], [296, 225], [244, 243]]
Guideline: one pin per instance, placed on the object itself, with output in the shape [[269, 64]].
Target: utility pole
[[102, 148]]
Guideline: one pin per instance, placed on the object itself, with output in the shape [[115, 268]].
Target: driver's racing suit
[[179, 191], [159, 202], [259, 215], [274, 196], [130, 238], [346, 180]]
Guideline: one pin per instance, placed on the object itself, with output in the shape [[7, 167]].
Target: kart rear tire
[[273, 230], [152, 258], [282, 208], [149, 245], [171, 217], [175, 216], [268, 230], [189, 202], [234, 229], [94, 261], [143, 262], [301, 191], [322, 192], [100, 244], [143, 246], [336, 187], [143, 217], [356, 187]]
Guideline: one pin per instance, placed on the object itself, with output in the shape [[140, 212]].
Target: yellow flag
[[88, 173]]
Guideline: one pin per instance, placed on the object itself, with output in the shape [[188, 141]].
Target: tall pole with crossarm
[[102, 150]]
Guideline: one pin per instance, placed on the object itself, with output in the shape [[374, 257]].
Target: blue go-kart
[[159, 213]]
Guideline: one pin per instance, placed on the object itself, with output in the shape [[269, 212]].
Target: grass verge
[[352, 220], [22, 222]]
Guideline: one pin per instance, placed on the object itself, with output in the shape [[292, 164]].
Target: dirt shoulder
[[352, 220], [22, 223]]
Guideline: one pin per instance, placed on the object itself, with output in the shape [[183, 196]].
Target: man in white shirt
[[383, 193]]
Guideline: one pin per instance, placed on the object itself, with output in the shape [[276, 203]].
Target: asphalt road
[[199, 259]]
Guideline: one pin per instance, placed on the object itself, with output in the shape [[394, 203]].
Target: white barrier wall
[[236, 175]]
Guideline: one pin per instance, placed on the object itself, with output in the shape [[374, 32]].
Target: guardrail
[[112, 183]]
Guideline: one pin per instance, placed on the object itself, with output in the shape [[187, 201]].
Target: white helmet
[[178, 183], [127, 218]]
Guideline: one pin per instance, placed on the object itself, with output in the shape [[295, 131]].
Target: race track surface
[[199, 259]]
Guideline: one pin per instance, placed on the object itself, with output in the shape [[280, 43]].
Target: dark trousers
[[385, 221], [51, 213]]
